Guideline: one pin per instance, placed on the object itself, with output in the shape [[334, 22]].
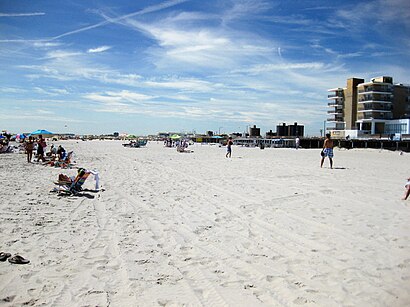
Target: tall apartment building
[[375, 107]]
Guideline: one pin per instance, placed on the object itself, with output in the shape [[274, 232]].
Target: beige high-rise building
[[375, 107]]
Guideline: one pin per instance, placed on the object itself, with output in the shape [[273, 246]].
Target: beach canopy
[[175, 136], [20, 136], [41, 131]]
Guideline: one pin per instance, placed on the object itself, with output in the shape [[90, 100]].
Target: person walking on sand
[[327, 150], [40, 148], [407, 187], [229, 148], [297, 142], [29, 146]]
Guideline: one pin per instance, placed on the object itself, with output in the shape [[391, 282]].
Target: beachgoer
[[327, 150], [40, 148], [407, 187], [229, 148], [52, 151], [29, 146], [61, 152], [297, 142]]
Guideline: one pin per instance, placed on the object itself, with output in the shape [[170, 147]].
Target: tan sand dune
[[265, 228]]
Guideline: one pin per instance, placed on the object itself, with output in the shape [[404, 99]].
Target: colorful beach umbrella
[[41, 131], [175, 136]]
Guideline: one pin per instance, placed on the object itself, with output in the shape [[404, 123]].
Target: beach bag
[[322, 153]]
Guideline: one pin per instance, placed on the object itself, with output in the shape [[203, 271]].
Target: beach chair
[[73, 186], [6, 149], [76, 185]]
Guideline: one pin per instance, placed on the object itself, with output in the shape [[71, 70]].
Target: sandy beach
[[264, 228]]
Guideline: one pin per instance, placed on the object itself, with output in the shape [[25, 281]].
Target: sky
[[143, 67]]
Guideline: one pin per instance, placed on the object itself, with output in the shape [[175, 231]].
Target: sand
[[265, 228]]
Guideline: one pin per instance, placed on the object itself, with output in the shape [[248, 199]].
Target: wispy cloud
[[21, 14], [146, 10], [99, 49], [51, 91], [59, 54]]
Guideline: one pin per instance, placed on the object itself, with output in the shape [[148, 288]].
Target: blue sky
[[142, 67]]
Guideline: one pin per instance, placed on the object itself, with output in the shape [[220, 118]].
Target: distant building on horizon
[[290, 130], [254, 131], [375, 107]]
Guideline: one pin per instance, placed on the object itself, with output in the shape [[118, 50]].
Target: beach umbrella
[[42, 132], [175, 137], [19, 136]]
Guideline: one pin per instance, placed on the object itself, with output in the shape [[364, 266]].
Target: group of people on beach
[[40, 144]]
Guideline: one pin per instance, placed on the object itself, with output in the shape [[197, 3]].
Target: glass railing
[[374, 98], [381, 89], [374, 107], [374, 115]]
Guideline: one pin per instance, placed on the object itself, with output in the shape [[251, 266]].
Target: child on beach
[[407, 192]]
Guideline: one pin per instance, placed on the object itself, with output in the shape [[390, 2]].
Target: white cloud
[[146, 10], [58, 54], [122, 98], [51, 91], [99, 49], [21, 14]]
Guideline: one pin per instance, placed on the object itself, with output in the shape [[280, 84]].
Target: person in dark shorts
[[41, 145], [29, 146], [229, 148]]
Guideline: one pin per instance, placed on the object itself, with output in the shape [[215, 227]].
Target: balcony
[[381, 89], [332, 96], [374, 101], [383, 98], [374, 115], [335, 112], [335, 104], [335, 119], [374, 107]]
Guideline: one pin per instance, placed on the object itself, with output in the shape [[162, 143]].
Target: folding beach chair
[[74, 186]]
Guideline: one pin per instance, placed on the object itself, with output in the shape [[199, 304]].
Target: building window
[[396, 128]]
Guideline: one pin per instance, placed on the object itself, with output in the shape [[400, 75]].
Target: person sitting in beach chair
[[65, 162], [74, 185], [5, 148]]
